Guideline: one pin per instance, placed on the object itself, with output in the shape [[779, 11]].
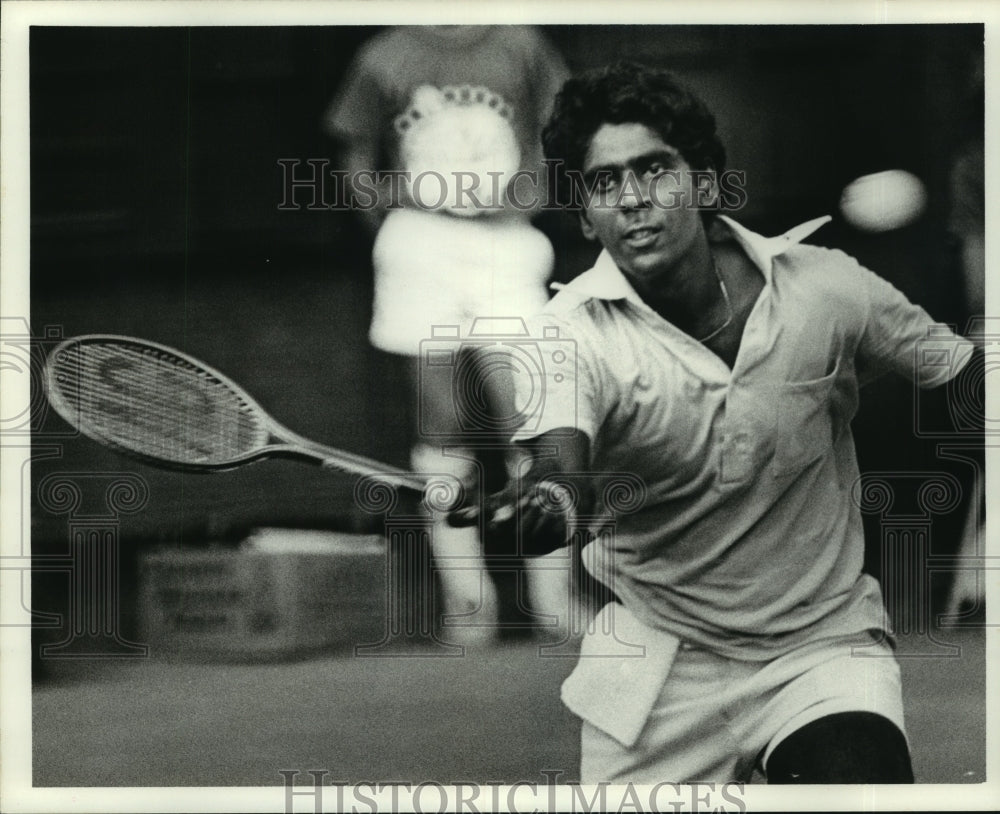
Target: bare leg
[[469, 601]]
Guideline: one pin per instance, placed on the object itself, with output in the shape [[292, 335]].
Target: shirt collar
[[606, 282]]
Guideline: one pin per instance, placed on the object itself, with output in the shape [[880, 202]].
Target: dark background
[[155, 188]]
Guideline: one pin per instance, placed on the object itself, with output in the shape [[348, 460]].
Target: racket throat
[[303, 449]]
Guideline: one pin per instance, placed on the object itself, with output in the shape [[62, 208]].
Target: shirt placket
[[742, 425], [738, 437], [738, 431]]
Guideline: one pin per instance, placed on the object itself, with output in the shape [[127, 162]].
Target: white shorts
[[434, 269], [684, 714]]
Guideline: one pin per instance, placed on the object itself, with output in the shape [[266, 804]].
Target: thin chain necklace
[[729, 304]]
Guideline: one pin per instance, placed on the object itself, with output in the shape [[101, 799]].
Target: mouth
[[639, 237]]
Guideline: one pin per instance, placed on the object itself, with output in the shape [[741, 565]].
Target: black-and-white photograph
[[430, 408]]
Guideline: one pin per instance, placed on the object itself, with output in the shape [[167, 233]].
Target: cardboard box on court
[[283, 593]]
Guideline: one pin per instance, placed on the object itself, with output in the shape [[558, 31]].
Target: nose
[[635, 193]]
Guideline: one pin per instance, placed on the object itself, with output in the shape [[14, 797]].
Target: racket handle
[[550, 492]]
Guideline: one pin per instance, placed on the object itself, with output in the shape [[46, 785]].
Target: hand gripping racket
[[169, 409]]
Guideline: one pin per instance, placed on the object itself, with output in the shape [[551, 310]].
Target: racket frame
[[281, 442]]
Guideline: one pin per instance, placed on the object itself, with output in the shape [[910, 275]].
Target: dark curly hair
[[624, 93]]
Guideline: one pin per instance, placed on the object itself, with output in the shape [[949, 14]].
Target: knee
[[848, 747]]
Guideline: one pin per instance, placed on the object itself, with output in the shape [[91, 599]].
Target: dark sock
[[848, 747]]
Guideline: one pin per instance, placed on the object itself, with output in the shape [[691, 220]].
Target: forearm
[[561, 455], [550, 490], [963, 398], [369, 198]]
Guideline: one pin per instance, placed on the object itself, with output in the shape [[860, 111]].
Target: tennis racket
[[168, 409]]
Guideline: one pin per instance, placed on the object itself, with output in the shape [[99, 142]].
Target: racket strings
[[156, 404]]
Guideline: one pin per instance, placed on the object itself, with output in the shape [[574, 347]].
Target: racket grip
[[551, 493]]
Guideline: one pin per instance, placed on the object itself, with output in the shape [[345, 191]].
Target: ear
[[585, 227], [707, 192]]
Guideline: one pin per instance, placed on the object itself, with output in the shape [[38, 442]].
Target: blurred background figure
[[967, 225], [967, 222], [460, 110]]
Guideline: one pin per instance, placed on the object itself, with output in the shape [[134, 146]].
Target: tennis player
[[720, 369]]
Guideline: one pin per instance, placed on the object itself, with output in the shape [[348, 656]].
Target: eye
[[658, 167], [605, 181]]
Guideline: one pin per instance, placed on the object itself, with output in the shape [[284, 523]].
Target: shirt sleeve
[[562, 392], [548, 72], [357, 112], [901, 337]]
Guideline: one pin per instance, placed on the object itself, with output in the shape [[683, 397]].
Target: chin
[[645, 268]]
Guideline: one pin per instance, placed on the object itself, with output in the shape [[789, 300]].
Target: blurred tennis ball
[[883, 201]]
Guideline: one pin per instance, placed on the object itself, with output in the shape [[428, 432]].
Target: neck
[[688, 294]]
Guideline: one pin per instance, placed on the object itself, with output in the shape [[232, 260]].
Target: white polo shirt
[[748, 541]]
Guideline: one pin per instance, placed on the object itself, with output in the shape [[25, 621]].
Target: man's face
[[645, 208]]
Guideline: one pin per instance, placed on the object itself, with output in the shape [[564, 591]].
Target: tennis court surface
[[493, 715]]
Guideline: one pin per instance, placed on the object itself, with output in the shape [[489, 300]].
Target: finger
[[460, 518], [499, 507], [502, 514], [502, 508]]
